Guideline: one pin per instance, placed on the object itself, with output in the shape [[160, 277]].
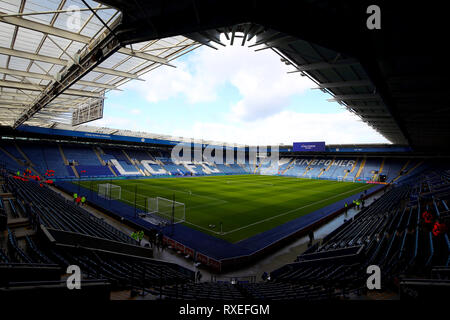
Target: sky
[[234, 95]]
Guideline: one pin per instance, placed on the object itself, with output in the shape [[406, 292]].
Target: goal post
[[340, 178], [167, 209], [152, 205], [109, 191]]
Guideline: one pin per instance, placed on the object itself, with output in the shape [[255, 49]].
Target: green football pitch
[[234, 208]]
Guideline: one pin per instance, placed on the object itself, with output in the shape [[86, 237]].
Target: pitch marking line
[[216, 203], [252, 224], [208, 205], [249, 182], [186, 192], [290, 211]]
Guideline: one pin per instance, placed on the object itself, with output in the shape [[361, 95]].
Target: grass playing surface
[[245, 204]]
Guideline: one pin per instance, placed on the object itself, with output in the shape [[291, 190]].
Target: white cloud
[[287, 127], [260, 77], [120, 122], [260, 115]]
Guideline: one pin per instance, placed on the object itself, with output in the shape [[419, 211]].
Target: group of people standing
[[155, 238], [357, 203], [79, 200]]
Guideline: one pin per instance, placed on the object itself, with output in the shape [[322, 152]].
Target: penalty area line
[[288, 212]]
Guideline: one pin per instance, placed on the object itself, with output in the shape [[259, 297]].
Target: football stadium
[[102, 212]]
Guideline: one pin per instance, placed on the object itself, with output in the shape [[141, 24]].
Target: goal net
[[340, 178], [167, 209], [109, 191]]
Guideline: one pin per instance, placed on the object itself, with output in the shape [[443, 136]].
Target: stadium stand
[[46, 157], [51, 209], [390, 233], [48, 209], [129, 162]]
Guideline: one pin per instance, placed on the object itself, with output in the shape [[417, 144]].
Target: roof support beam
[[13, 102], [33, 75], [21, 14], [97, 85], [342, 84], [88, 60], [365, 107], [383, 124], [364, 96], [42, 76], [30, 95], [61, 62], [4, 106], [116, 73], [36, 26], [326, 65], [32, 56], [197, 37], [384, 119], [33, 87]]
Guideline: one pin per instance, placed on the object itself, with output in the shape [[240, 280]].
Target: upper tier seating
[[45, 156], [94, 171], [81, 154]]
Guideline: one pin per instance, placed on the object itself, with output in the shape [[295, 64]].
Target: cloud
[[287, 127], [260, 77], [121, 122], [259, 116]]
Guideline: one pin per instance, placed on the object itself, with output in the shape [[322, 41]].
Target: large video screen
[[309, 146]]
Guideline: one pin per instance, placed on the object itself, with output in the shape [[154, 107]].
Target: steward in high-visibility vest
[[83, 200], [138, 235], [75, 196]]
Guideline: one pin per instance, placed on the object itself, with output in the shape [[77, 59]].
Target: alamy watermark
[[373, 22], [73, 21], [221, 154], [374, 280], [74, 280]]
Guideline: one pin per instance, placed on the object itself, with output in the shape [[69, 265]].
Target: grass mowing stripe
[[290, 211], [186, 192], [246, 206]]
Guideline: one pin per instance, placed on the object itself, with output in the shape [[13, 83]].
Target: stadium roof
[[342, 76], [392, 77], [41, 39], [139, 134]]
